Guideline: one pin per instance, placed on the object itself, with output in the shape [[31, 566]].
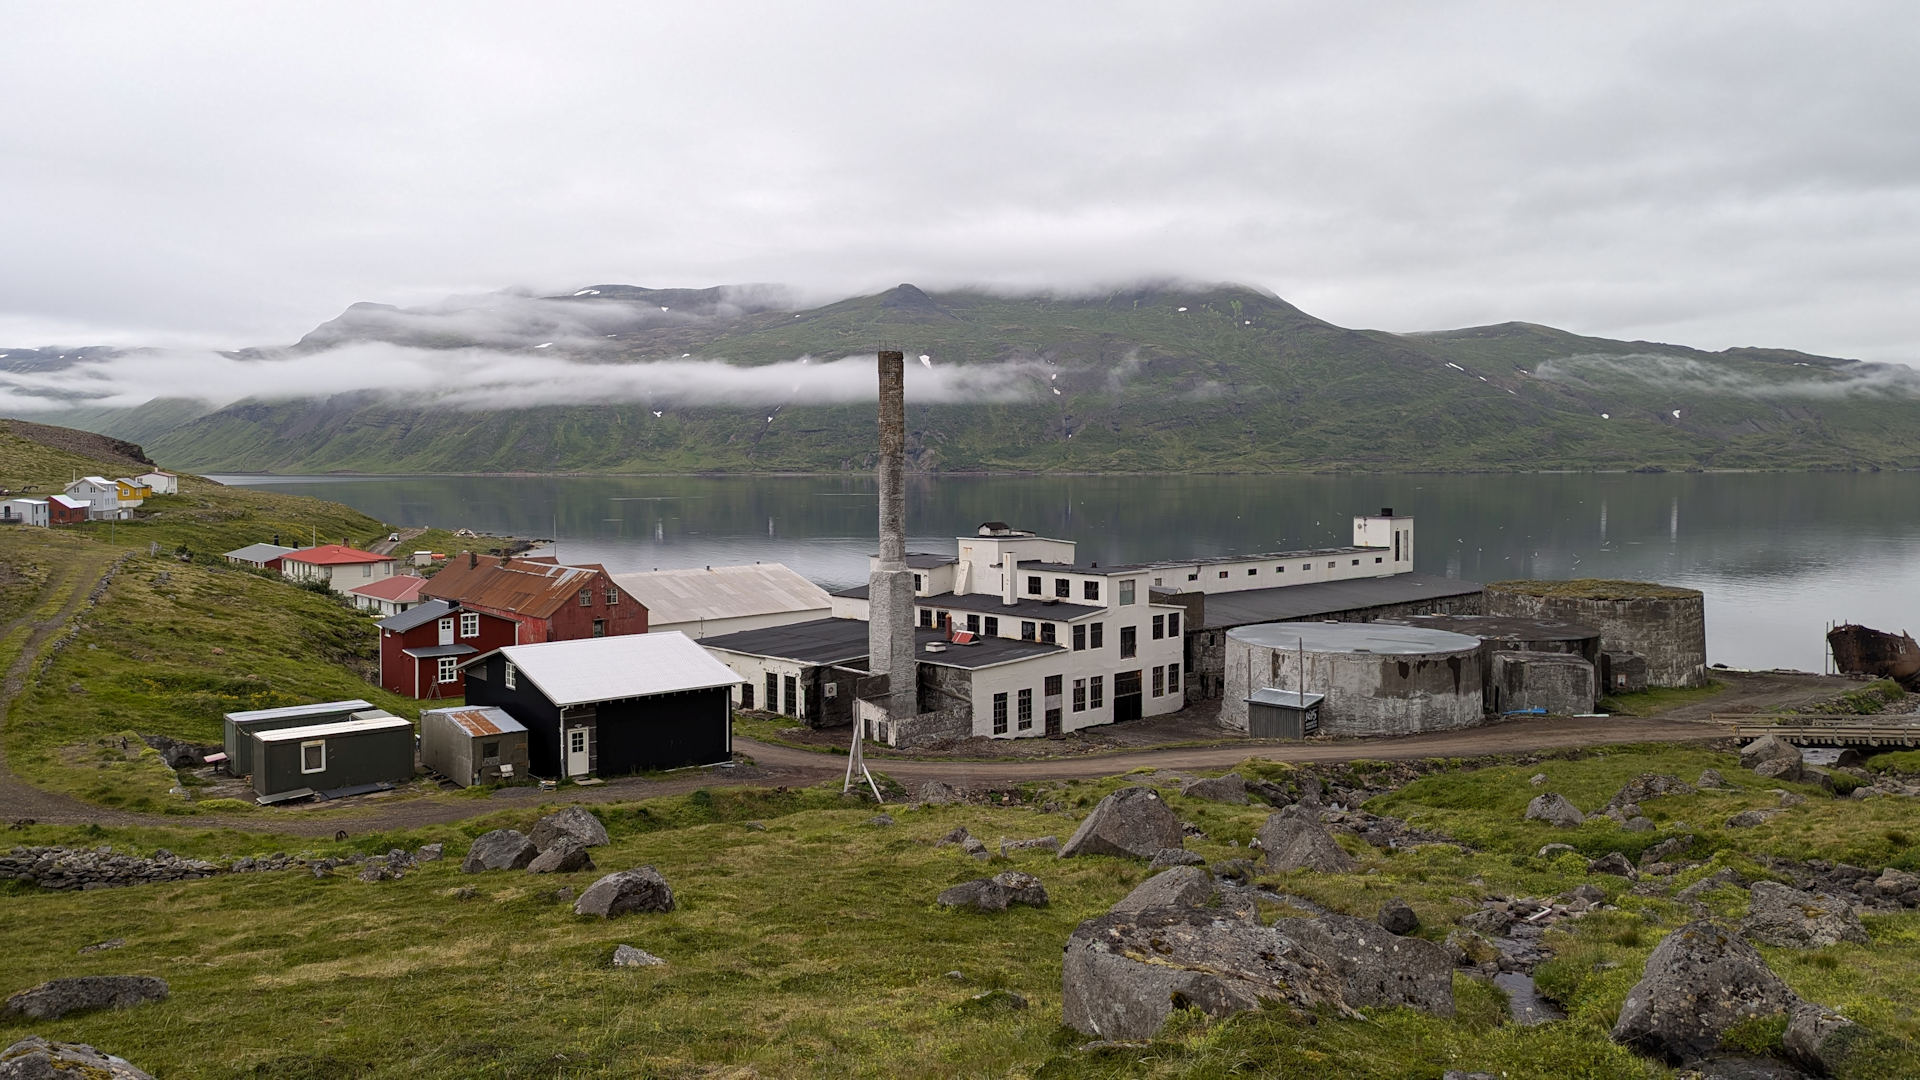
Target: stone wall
[[1671, 632], [1365, 693], [1561, 683], [1207, 649]]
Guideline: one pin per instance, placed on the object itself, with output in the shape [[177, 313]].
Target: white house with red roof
[[388, 596], [342, 568]]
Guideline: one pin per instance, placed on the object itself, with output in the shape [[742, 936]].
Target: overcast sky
[[1710, 174]]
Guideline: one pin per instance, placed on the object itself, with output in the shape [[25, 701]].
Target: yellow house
[[132, 492]]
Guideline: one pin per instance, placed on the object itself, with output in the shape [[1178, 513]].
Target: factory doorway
[[1126, 696]]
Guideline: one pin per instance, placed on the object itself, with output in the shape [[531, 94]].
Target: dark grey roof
[[1286, 699], [417, 615], [817, 641], [922, 560], [987, 652], [1327, 598], [429, 652], [990, 604]]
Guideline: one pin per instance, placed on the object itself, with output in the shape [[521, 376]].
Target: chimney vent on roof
[[473, 560]]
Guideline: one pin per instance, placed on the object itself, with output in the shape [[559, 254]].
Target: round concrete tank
[[1377, 678], [1664, 624]]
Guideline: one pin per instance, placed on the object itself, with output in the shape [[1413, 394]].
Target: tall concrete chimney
[[890, 587]]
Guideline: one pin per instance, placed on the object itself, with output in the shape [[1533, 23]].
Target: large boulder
[[1648, 786], [1768, 748], [1699, 982], [35, 1058], [1818, 1039], [1178, 887], [58, 997], [1231, 788], [624, 892], [1125, 972], [1294, 839], [563, 855], [1783, 915], [575, 823], [1780, 769], [501, 849], [1134, 822], [997, 893], [1554, 809], [1397, 917]]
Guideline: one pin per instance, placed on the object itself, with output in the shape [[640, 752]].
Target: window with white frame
[[1126, 591], [507, 678], [469, 624], [449, 669], [586, 597], [613, 595], [313, 756]]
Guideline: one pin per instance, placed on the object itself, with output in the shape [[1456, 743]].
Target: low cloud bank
[[1688, 375]]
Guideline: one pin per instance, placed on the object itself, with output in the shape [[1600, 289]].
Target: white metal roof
[[321, 708], [673, 597], [610, 668], [339, 727]]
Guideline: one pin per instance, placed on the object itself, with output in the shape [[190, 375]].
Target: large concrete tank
[[1667, 625], [1508, 633], [1378, 678]]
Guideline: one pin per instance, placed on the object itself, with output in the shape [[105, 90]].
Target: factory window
[[1026, 709], [746, 695], [1126, 591], [792, 700], [313, 756], [1129, 643], [613, 595], [1079, 638], [599, 628], [999, 714], [1091, 589], [1356, 562], [1252, 570], [1173, 625], [1330, 564], [1223, 574], [507, 678], [1096, 691], [1062, 588], [1193, 577], [449, 669], [1173, 678], [1047, 633], [1052, 687], [1027, 630], [1159, 682], [1377, 558], [1281, 569], [1079, 695], [1159, 627], [926, 618], [1097, 636], [773, 692], [469, 624], [973, 624], [993, 626], [1033, 586], [1396, 546], [586, 597], [1306, 566]]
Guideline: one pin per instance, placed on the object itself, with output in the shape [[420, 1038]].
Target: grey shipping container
[[239, 725], [324, 757], [1283, 714], [473, 745]]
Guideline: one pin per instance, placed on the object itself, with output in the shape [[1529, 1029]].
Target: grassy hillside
[[1167, 379], [811, 947]]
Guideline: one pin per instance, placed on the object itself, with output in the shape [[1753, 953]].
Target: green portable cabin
[[240, 725], [328, 757]]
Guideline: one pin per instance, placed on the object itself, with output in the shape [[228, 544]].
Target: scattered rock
[[1294, 840], [997, 999], [1897, 885], [563, 855], [1269, 792], [1537, 779], [35, 1058], [1789, 799], [1134, 822], [1397, 917], [1174, 856], [976, 847], [102, 946], [958, 835], [1588, 894], [1456, 1074], [1613, 862], [1747, 819], [501, 849], [1768, 748], [935, 793], [1238, 871], [1649, 786], [575, 822], [464, 892], [1489, 922], [1548, 851], [1310, 788], [1177, 887], [1638, 824], [880, 820], [1778, 769], [1817, 1038], [1710, 778], [1376, 967], [1783, 915], [996, 893], [430, 853], [624, 892], [754, 826], [377, 872], [1043, 843], [56, 998], [957, 976], [1719, 878], [1699, 982], [1555, 810], [628, 956], [1231, 788], [1666, 850]]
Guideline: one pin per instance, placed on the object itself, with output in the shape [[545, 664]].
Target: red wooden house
[[65, 510], [421, 648], [550, 602]]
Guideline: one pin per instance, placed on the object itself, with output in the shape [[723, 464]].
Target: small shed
[[1283, 714], [476, 745], [239, 725], [365, 750]]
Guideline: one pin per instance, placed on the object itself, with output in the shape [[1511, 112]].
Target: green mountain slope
[[1149, 379]]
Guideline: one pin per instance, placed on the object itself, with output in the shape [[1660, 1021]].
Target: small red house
[[65, 510], [550, 602], [421, 648]]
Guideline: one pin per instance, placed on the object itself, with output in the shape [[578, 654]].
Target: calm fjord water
[[1779, 556]]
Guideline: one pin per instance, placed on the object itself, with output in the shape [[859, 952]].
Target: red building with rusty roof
[[421, 649], [548, 601]]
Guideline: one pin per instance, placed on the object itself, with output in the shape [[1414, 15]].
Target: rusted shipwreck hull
[[1862, 650]]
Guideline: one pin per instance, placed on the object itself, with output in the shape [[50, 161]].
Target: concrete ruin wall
[[1207, 649], [1560, 682], [1366, 693], [1670, 632]]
